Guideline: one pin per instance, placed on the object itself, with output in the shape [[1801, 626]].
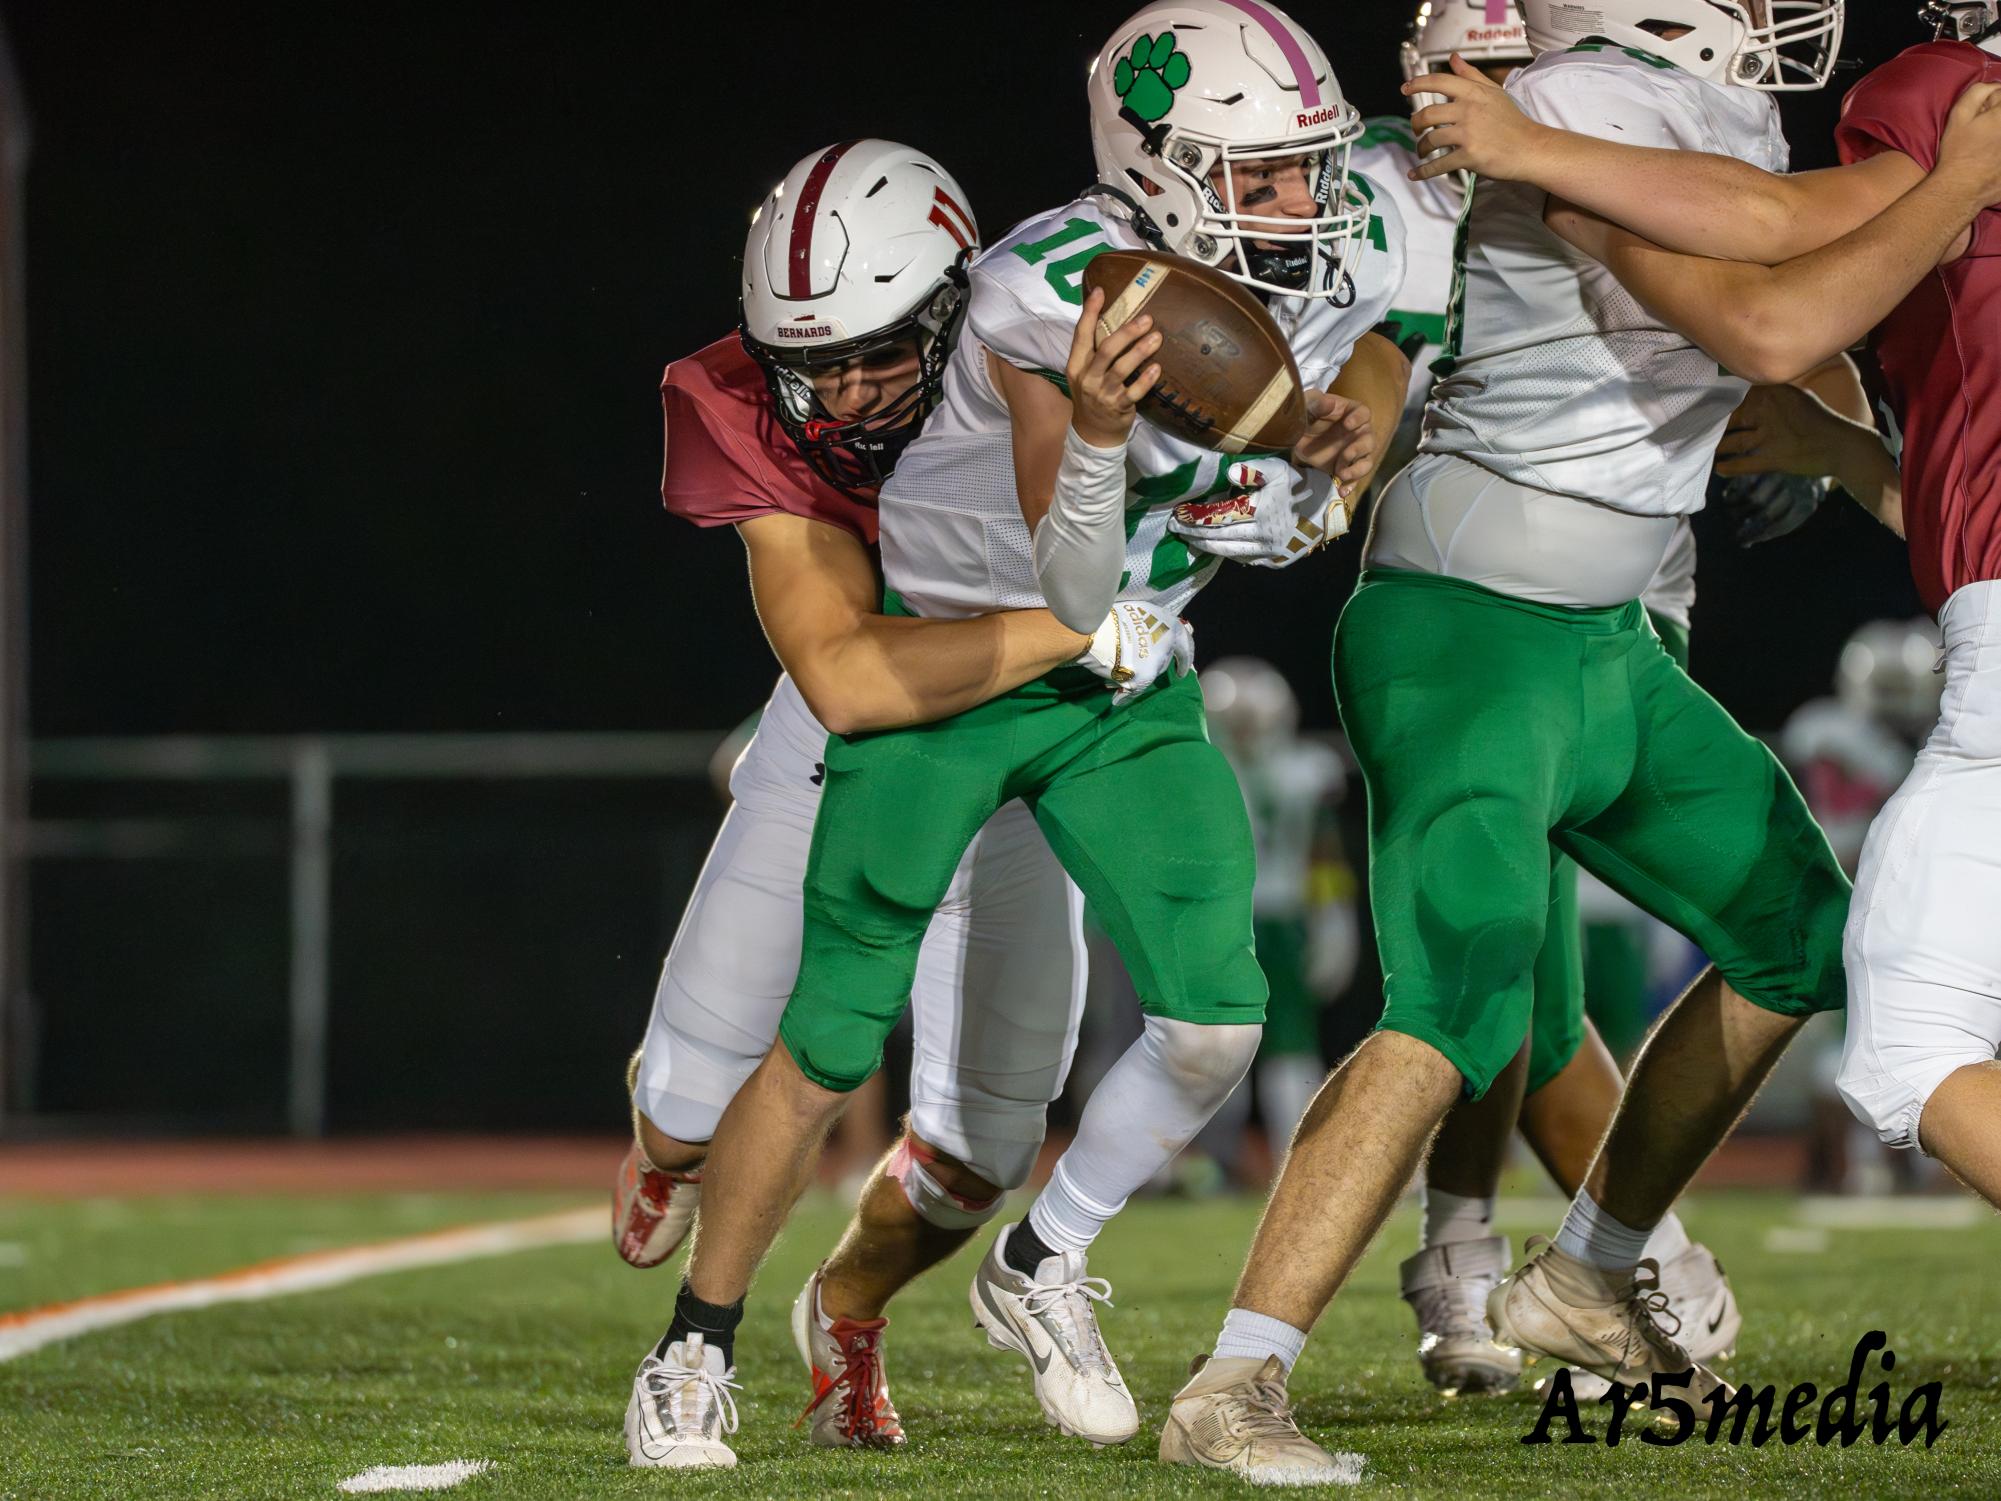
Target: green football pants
[[1143, 812], [1566, 967], [1494, 733]]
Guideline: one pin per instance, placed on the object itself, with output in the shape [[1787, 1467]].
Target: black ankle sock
[[1025, 1250], [715, 1322]]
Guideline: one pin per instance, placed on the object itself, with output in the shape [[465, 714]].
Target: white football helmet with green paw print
[[1189, 87]]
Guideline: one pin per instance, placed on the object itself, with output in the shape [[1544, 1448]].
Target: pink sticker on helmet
[[1288, 45]]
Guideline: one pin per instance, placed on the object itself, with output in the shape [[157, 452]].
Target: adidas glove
[[1135, 645], [1273, 515]]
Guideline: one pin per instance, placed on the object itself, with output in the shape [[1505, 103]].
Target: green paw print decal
[[1147, 78]]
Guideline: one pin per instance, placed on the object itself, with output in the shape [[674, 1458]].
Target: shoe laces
[[1069, 1303], [1266, 1412], [860, 1384], [1454, 1309], [663, 1381], [1655, 1321]]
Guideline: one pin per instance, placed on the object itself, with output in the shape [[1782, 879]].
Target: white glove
[[1274, 516], [1135, 645]]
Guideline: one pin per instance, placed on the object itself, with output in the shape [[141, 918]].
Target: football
[[1227, 377]]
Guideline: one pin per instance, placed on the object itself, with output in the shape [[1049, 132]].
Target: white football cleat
[[1235, 1415], [851, 1408], [1699, 1295], [1447, 1288], [1580, 1315], [652, 1210], [680, 1409], [1048, 1321], [1703, 1316]]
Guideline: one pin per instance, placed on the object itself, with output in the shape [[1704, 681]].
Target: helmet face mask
[[857, 256], [1961, 20], [859, 453], [1275, 253], [1189, 92]]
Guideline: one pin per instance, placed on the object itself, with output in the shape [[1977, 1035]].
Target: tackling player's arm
[[1819, 426], [817, 595], [1771, 324], [1690, 201]]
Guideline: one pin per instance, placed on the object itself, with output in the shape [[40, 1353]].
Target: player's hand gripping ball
[[1227, 379]]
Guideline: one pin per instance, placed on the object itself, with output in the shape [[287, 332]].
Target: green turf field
[[525, 1361]]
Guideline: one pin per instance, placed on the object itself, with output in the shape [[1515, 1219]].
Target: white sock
[[1144, 1111], [1253, 1336], [1449, 1218], [1590, 1234], [1668, 1241]]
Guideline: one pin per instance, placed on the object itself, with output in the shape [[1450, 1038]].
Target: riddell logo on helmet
[[804, 330], [1498, 34], [1316, 117]]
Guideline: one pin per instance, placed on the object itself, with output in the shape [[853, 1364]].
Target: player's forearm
[[1861, 464], [1378, 376], [1689, 201], [1801, 313], [1080, 541], [890, 671]]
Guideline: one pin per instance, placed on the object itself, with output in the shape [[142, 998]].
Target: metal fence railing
[[311, 770]]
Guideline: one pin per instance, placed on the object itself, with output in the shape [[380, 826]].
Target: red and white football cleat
[[652, 1210], [850, 1407]]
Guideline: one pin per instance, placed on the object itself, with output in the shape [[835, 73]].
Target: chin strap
[[1142, 221]]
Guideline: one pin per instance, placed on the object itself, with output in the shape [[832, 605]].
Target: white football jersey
[[954, 543], [1554, 376], [1430, 213]]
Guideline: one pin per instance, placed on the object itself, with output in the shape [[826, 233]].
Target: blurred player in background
[[854, 291], [1221, 132], [1850, 752], [1303, 906], [1916, 137]]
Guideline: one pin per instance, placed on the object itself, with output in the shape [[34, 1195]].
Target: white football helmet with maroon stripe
[[862, 245], [1186, 86], [1778, 46]]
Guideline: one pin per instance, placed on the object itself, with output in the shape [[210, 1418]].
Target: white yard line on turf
[[33, 1328], [415, 1477]]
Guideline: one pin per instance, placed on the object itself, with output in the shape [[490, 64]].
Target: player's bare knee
[[944, 1191], [670, 1153]]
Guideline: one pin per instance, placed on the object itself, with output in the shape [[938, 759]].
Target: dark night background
[[345, 329], [346, 324]]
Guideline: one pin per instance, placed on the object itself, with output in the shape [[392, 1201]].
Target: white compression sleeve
[[1080, 546]]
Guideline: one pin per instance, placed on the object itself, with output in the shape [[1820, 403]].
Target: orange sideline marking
[[31, 1329]]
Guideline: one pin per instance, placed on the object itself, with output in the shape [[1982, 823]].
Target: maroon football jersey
[[1941, 349], [728, 460]]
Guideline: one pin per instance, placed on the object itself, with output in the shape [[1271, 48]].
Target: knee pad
[[1205, 1061], [934, 1202]]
